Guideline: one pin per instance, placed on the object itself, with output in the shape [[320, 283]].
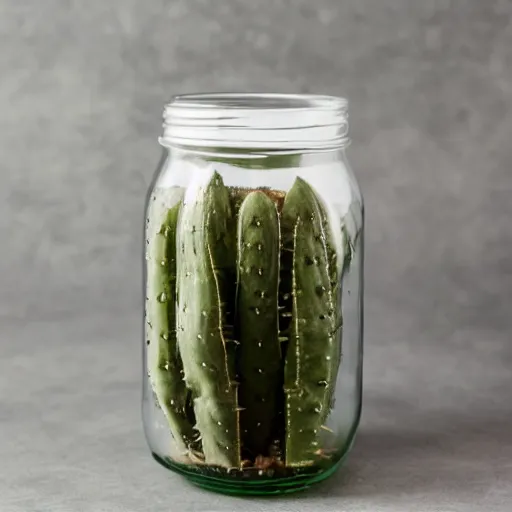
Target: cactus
[[164, 364], [205, 271], [312, 356], [259, 354], [263, 267]]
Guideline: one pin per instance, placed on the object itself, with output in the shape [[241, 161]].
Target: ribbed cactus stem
[[206, 273], [312, 356], [164, 364], [259, 353]]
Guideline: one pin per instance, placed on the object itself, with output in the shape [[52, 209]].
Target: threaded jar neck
[[274, 122]]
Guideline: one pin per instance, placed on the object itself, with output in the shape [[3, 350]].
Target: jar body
[[253, 316]]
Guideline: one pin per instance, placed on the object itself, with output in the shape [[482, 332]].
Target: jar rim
[[255, 100], [272, 121]]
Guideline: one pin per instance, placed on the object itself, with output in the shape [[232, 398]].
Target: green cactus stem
[[310, 317], [259, 353], [205, 274], [164, 364]]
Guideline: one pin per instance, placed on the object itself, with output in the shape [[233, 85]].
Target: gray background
[[82, 85]]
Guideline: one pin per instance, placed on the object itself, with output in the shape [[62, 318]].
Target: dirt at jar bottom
[[252, 481]]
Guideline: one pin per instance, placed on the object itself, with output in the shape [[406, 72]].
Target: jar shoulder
[[331, 176]]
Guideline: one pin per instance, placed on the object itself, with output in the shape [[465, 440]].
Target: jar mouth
[[274, 121], [274, 101]]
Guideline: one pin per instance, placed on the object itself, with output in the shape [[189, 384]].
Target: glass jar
[[253, 292]]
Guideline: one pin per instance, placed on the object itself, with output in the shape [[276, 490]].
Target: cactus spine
[[313, 350], [259, 353], [205, 271], [164, 364]]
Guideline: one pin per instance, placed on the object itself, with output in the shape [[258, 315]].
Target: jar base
[[244, 483]]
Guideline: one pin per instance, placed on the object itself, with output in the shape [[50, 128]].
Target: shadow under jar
[[253, 292]]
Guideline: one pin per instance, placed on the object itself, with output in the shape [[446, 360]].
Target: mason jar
[[253, 284]]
